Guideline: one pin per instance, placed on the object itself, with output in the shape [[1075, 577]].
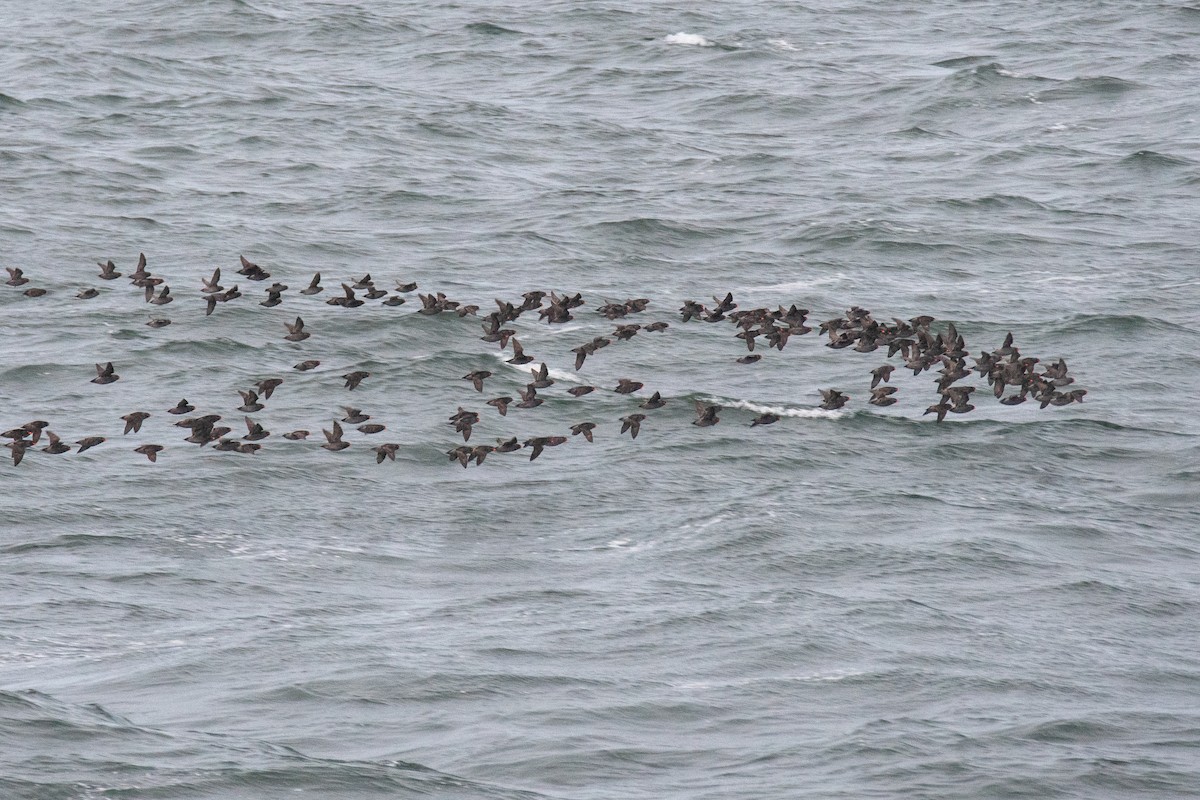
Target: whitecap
[[556, 374], [779, 411], [693, 39], [782, 44]]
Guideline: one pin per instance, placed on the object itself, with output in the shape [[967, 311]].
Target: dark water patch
[[991, 74], [491, 29], [918, 132], [70, 541], [658, 229], [997, 202], [1103, 86], [963, 61], [1072, 730], [1150, 160], [1115, 324]]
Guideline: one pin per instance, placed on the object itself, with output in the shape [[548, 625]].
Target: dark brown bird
[[477, 377], [538, 443], [182, 407], [627, 386], [583, 429], [750, 359], [150, 451], [296, 436], [766, 418], [519, 356], [706, 415], [252, 270], [108, 270], [654, 401], [212, 285], [250, 402], [882, 396], [162, 298], [334, 439], [580, 391], [354, 416], [939, 408], [405, 288], [56, 445], [624, 333], [268, 386], [88, 294], [386, 451], [314, 286], [347, 300], [373, 427], [18, 447], [507, 445], [34, 292], [134, 420], [833, 399], [158, 322], [461, 454], [105, 374], [353, 379], [529, 398], [254, 431], [35, 429], [249, 447], [541, 377], [500, 404], [16, 433], [883, 373], [296, 332], [305, 366], [141, 273], [89, 442], [15, 278], [633, 424], [581, 354]]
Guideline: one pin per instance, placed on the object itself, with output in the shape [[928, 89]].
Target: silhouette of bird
[[633, 424], [334, 438], [706, 415], [105, 374], [477, 377], [134, 420], [353, 379], [150, 451], [89, 442], [296, 332]]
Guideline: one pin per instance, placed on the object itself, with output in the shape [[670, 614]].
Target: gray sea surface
[[862, 603]]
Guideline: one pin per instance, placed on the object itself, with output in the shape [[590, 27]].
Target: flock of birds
[[1013, 378]]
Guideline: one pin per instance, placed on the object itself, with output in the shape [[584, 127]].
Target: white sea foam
[[694, 39], [782, 44], [779, 411], [556, 374]]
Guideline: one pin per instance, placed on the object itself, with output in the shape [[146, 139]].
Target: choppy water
[[856, 604]]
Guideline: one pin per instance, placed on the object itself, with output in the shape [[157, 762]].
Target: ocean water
[[861, 603]]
